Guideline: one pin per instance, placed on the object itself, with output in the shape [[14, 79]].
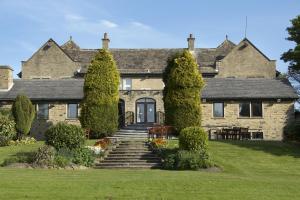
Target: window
[[253, 109], [218, 109], [256, 109], [72, 111], [126, 84], [42, 111], [244, 109]]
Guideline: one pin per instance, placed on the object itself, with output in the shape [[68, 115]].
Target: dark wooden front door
[[145, 111]]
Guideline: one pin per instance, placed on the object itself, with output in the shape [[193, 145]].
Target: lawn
[[251, 170]]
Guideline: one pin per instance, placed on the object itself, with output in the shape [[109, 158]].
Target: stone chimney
[[191, 42], [6, 77], [105, 41]]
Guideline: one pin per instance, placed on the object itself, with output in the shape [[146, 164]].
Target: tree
[[292, 56], [99, 107], [23, 112], [181, 95]]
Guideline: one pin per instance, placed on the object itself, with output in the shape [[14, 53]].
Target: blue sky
[[26, 25]]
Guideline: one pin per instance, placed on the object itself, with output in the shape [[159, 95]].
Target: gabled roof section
[[227, 44], [46, 45], [70, 44], [248, 41]]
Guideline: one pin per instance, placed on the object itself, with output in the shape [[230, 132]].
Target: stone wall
[[145, 83], [49, 62], [130, 98], [57, 113], [245, 61], [275, 117], [275, 114]]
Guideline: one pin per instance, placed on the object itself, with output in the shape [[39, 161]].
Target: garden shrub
[[7, 130], [61, 161], [158, 143], [6, 112], [64, 135], [21, 157], [193, 139], [191, 160], [83, 156], [181, 95], [45, 156], [103, 143], [23, 141], [24, 113], [187, 160], [99, 107], [292, 131]]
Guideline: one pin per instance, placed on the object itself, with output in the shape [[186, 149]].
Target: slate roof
[[149, 60], [215, 88]]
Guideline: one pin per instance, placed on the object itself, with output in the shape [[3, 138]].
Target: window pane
[[72, 111], [218, 109], [127, 84], [256, 109], [150, 113], [244, 110], [140, 113], [43, 111]]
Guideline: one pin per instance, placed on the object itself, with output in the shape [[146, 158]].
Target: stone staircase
[[131, 151]]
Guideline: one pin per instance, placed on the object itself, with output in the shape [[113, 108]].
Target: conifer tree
[[23, 112], [183, 84], [99, 107]]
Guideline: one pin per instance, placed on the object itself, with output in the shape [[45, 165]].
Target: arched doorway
[[121, 107], [145, 111]]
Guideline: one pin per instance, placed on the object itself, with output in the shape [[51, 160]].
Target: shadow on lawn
[[273, 147]]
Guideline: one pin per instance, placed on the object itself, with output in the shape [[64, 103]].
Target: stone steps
[[131, 152]]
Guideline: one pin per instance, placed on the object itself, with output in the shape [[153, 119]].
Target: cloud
[[108, 24], [74, 17], [140, 25]]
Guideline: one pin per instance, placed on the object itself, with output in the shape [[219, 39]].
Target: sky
[[26, 25]]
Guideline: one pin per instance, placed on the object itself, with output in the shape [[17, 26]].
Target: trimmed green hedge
[[24, 113], [193, 139], [99, 107], [64, 135], [181, 95]]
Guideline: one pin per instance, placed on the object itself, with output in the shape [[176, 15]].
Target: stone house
[[241, 85]]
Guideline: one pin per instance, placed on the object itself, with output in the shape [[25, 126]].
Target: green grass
[[251, 170]]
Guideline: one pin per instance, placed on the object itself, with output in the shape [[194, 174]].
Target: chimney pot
[[191, 42], [105, 41]]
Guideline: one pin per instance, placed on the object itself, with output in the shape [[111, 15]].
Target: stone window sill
[[250, 117], [218, 118]]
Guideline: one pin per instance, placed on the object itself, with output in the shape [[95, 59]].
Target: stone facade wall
[[275, 117], [49, 62], [145, 83], [130, 98], [57, 113], [245, 61]]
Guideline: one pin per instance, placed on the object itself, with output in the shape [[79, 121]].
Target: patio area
[[234, 133]]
